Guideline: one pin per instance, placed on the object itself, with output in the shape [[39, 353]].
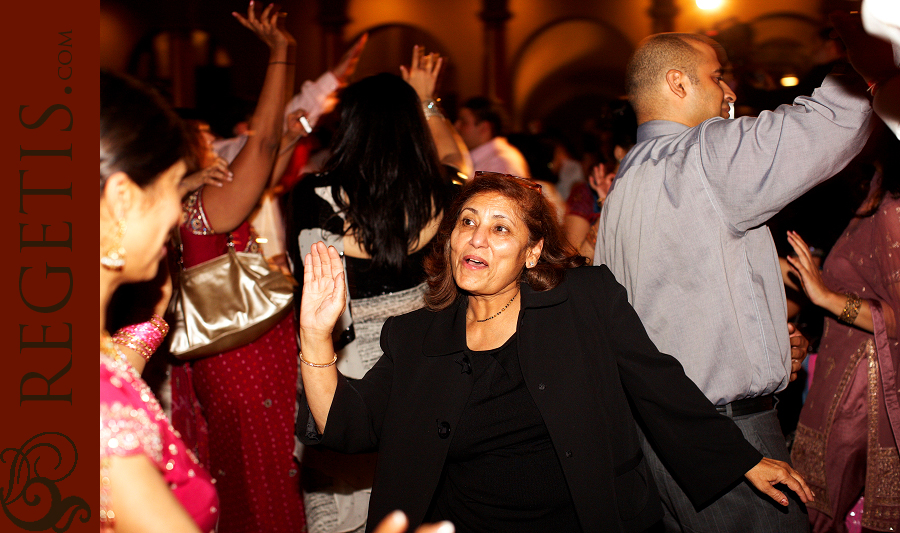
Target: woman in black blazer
[[509, 404]]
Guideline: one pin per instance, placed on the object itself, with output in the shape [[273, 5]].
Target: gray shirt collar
[[657, 128]]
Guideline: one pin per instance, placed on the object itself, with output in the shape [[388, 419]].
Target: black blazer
[[585, 357]]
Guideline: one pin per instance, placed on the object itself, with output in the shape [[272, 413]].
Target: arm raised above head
[[228, 206], [754, 166], [422, 75]]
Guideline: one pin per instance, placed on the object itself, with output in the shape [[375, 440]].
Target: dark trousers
[[743, 509]]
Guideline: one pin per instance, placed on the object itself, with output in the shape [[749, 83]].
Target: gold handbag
[[226, 302]]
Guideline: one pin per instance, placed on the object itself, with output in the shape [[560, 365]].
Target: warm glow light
[[709, 4], [789, 81]]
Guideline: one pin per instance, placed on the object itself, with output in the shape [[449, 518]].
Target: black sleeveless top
[[502, 473]]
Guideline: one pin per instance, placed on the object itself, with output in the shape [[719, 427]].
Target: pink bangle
[[144, 338]]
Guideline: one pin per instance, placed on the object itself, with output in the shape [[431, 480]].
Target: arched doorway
[[391, 45], [569, 72]]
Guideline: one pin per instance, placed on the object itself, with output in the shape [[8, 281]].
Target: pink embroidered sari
[[132, 422], [847, 439]]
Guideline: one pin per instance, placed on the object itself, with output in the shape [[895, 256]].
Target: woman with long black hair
[[379, 200]]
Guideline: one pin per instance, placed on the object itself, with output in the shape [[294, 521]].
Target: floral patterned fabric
[[132, 423], [847, 437]]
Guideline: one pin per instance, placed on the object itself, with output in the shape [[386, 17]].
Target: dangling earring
[[114, 258]]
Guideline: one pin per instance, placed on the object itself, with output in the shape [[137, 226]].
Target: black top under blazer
[[584, 354]]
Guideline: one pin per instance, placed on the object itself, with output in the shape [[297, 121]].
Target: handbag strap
[[179, 245]]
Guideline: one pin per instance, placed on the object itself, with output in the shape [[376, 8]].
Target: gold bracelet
[[851, 310], [317, 365], [160, 324], [129, 340]]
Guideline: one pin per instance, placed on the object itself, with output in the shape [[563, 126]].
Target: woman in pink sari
[[149, 481], [847, 439]]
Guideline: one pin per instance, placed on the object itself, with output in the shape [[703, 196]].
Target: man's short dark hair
[[658, 54], [488, 110]]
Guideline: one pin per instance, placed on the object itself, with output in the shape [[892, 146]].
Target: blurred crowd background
[[555, 64]]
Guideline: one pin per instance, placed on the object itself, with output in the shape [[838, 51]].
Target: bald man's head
[[656, 55]]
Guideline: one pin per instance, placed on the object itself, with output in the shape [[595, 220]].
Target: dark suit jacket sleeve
[[705, 451], [357, 411]]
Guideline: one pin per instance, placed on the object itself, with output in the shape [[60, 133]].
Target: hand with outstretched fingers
[[423, 72], [266, 26], [805, 268], [770, 472], [324, 294], [600, 180], [216, 174], [348, 63], [872, 57]]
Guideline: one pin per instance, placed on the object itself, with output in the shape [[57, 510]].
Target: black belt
[[747, 406]]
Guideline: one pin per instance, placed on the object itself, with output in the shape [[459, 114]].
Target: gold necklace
[[500, 311]]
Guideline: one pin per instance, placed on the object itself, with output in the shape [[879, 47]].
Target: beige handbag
[[226, 302]]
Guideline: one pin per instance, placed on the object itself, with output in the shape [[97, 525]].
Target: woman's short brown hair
[[535, 211]]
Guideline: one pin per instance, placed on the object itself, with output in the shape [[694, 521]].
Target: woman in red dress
[[236, 409]]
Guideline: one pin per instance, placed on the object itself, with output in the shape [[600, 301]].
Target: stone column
[[184, 69], [495, 78], [332, 18]]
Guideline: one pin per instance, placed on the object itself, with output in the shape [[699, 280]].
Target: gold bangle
[[317, 365], [851, 310], [160, 324]]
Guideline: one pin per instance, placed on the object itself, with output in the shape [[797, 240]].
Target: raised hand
[[324, 292], [600, 180], [423, 72], [770, 472], [807, 270], [872, 57], [216, 174], [266, 26], [348, 63]]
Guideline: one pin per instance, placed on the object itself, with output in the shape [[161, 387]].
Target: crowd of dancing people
[[497, 331]]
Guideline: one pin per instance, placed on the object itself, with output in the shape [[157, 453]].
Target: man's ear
[[676, 81]]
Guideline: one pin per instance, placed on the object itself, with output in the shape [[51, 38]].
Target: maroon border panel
[[48, 277]]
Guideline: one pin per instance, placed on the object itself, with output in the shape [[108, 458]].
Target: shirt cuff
[[313, 96]]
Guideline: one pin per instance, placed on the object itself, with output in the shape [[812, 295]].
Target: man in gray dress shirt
[[683, 229]]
